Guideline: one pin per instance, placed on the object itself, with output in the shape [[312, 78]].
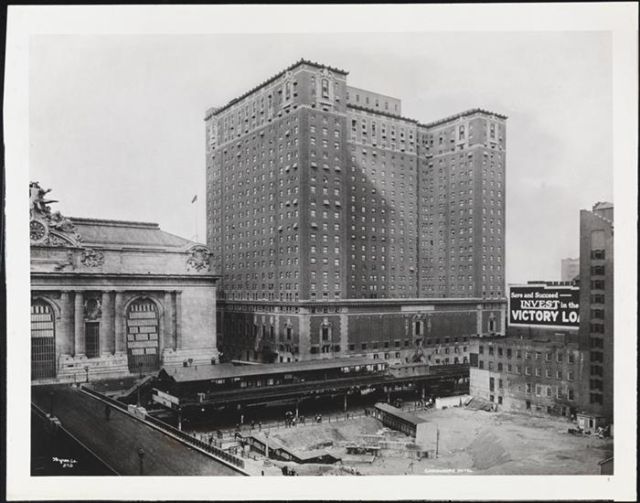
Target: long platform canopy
[[228, 370]]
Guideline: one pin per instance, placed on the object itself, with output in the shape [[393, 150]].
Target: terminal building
[[113, 298], [341, 227]]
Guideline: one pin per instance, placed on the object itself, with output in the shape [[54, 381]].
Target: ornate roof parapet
[[199, 258], [48, 228]]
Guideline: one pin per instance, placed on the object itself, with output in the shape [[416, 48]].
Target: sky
[[116, 125]]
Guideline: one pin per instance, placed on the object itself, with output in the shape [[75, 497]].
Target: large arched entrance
[[142, 336], [43, 340]]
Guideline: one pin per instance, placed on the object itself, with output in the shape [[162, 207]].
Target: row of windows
[[528, 355], [518, 369]]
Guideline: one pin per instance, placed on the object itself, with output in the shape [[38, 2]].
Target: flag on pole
[[195, 198]]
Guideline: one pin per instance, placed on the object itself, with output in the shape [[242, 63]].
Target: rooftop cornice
[[113, 223], [366, 302], [215, 111], [462, 114], [379, 112]]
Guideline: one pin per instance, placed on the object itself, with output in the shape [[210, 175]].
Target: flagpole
[[197, 204], [195, 200]]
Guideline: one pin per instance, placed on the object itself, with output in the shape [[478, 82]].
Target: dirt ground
[[470, 442]]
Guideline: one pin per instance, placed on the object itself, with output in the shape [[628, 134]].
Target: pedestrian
[[260, 425]]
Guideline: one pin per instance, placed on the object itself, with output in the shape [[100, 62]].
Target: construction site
[[461, 436]]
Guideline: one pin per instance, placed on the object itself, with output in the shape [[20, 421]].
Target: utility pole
[[437, 440]]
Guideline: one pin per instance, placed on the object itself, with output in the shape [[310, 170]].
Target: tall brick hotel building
[[341, 227]]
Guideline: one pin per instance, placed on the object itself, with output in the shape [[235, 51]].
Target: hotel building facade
[[340, 226]]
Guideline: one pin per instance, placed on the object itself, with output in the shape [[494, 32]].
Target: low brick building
[[539, 375], [113, 298]]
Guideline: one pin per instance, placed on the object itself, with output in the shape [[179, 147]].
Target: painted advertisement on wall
[[540, 305]]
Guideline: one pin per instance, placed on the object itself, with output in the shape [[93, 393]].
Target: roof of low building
[[123, 234], [385, 407], [227, 370]]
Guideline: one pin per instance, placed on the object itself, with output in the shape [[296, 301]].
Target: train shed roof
[[226, 370]]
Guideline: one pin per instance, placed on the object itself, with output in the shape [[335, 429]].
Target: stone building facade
[[321, 192], [114, 298]]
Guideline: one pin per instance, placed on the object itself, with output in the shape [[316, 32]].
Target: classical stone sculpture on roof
[[48, 228]]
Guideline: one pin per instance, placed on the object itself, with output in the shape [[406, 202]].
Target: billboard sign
[[165, 399], [544, 306]]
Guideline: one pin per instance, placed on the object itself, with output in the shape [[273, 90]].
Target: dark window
[[325, 88], [92, 339]]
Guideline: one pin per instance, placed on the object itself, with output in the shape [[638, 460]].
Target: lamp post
[[180, 418], [86, 369], [51, 400], [140, 383], [140, 459], [266, 445]]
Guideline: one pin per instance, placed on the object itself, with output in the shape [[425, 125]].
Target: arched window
[[143, 331]]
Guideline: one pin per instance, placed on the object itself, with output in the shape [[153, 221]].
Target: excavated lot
[[470, 442]]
